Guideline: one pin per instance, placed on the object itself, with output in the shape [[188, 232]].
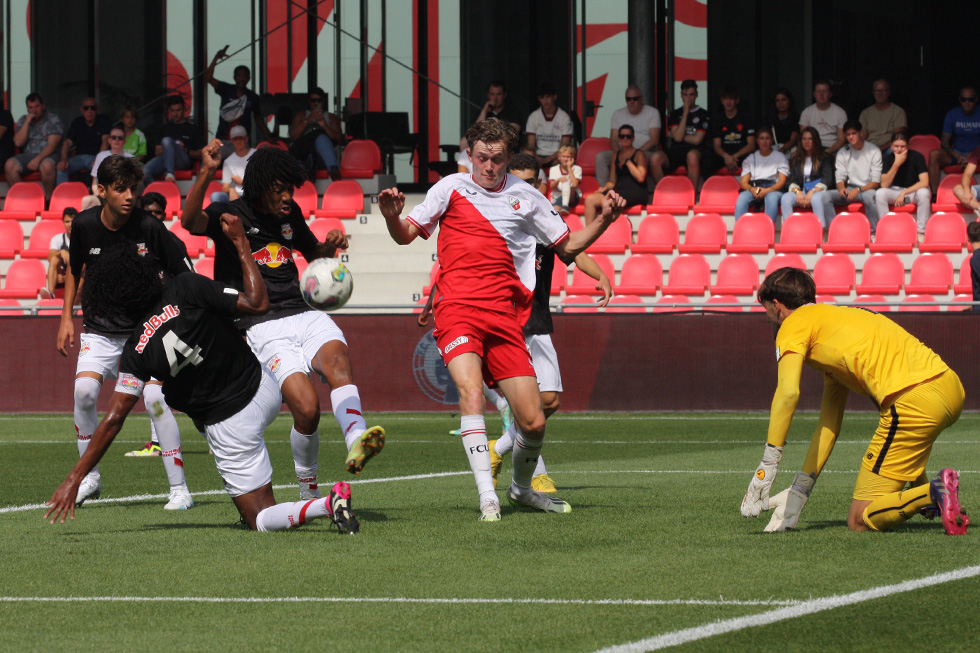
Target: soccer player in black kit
[[292, 339], [186, 337]]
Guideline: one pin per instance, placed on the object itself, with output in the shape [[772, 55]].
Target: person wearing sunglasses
[[315, 134], [88, 135], [646, 123], [961, 135], [117, 141], [627, 176]]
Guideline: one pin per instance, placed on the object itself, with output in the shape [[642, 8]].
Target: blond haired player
[[917, 394]]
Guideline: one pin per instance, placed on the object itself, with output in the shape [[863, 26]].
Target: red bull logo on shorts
[[129, 381], [274, 363], [273, 255], [84, 350]]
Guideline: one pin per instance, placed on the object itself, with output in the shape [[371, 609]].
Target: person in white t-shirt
[[117, 141], [563, 180], [764, 174], [548, 128], [646, 124], [233, 169], [827, 117]]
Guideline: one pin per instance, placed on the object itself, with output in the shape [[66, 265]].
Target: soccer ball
[[326, 284]]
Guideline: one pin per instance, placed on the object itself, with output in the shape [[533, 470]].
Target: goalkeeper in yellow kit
[[858, 350]]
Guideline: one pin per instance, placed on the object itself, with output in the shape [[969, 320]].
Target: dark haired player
[[291, 339], [187, 338], [117, 222]]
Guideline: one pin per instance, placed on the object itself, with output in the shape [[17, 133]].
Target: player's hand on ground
[[391, 202], [211, 155], [62, 502], [756, 498], [788, 504], [66, 337], [337, 239]]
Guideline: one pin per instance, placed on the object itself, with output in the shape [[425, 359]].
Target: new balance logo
[[462, 340], [95, 251], [253, 231]]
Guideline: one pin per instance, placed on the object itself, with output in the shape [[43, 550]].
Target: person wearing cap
[[548, 128], [233, 170]]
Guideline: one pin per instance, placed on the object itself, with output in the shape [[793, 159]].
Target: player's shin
[[346, 403], [306, 450], [86, 417], [283, 516], [474, 437], [525, 458], [892, 509], [168, 432]]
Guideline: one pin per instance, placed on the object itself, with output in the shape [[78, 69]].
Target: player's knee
[[154, 401], [471, 400], [533, 428], [46, 167], [550, 402], [856, 523], [86, 392]]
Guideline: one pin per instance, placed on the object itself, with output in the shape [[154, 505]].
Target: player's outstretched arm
[[392, 202], [588, 265], [193, 218], [62, 502], [254, 298], [828, 428], [335, 239], [612, 206]]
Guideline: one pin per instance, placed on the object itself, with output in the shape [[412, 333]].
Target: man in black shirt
[[687, 126], [292, 339], [89, 135], [117, 223], [732, 134], [180, 142], [905, 180], [188, 339]]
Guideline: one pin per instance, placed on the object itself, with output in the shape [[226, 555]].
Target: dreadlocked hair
[[266, 167], [124, 282]]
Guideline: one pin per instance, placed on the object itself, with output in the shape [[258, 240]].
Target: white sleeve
[[533, 124], [426, 216], [655, 118], [56, 241], [565, 128], [782, 164], [805, 118], [876, 163], [545, 224], [554, 173]]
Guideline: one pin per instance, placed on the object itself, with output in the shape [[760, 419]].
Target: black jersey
[[90, 238], [272, 242], [734, 132], [190, 343], [544, 267]]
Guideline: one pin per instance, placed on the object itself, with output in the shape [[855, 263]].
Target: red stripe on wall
[[593, 91], [597, 34], [691, 12], [696, 69]]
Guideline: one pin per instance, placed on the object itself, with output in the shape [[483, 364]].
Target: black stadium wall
[[609, 363]]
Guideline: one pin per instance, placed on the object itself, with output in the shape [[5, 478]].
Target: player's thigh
[[278, 346], [869, 486], [99, 355], [466, 370], [545, 360]]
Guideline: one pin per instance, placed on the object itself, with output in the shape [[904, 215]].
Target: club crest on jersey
[[152, 325], [514, 202], [287, 231], [141, 249], [273, 255]]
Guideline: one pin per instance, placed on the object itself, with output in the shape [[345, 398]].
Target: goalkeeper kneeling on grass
[[858, 350]]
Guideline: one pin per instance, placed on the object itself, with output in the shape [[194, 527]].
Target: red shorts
[[496, 337]]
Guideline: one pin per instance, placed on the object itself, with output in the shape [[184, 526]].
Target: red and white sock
[[86, 416], [346, 403], [283, 516], [306, 452], [165, 425], [474, 436]]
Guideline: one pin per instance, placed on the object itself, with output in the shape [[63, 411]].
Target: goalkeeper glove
[[789, 504], [757, 497]]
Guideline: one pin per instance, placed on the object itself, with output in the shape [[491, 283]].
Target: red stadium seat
[[718, 195], [586, 154], [195, 244], [672, 195], [882, 274], [642, 274], [169, 191], [574, 222], [872, 298], [738, 274], [945, 200], [213, 187], [205, 267], [706, 233], [965, 284], [433, 273], [322, 226], [306, 196], [725, 299], [343, 199], [361, 160], [25, 201], [791, 260], [834, 274], [559, 277], [826, 299], [896, 232], [11, 238], [924, 144], [849, 232], [931, 274], [801, 233], [614, 240], [754, 233], [945, 232], [6, 304], [906, 308], [301, 264], [41, 235], [587, 186], [658, 234], [583, 284], [689, 274], [961, 298], [66, 195], [664, 304], [615, 304], [579, 304], [24, 278]]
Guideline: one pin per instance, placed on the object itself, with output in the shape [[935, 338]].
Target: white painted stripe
[[802, 609], [548, 441], [380, 599]]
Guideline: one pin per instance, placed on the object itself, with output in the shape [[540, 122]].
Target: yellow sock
[[893, 509]]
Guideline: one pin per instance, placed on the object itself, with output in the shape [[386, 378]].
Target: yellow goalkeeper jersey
[[863, 350]]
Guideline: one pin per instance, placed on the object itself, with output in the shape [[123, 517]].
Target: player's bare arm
[[392, 202], [423, 318], [254, 298], [588, 265], [62, 502], [334, 240], [66, 330], [612, 206], [193, 218]]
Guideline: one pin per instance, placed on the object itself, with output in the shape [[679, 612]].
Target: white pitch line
[[383, 599], [801, 609], [449, 440]]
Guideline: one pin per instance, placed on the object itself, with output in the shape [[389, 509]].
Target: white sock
[[474, 437], [494, 397], [505, 443], [165, 425], [525, 458], [306, 452], [346, 403], [86, 416], [154, 438], [283, 516]]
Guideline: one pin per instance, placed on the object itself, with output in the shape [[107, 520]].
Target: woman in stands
[[811, 172], [763, 179], [785, 121], [627, 176]]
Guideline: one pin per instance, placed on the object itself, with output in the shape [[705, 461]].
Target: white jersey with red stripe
[[487, 240]]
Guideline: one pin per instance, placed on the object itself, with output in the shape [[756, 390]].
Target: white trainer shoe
[[180, 499], [537, 501], [90, 488], [490, 510]]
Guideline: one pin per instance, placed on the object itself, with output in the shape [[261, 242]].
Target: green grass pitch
[[655, 547]]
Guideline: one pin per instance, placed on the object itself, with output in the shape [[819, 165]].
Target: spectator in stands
[[627, 176], [180, 142], [6, 136], [785, 121], [135, 139], [89, 135], [117, 144], [316, 133], [858, 174], [764, 174], [811, 173], [965, 191], [155, 204], [38, 134], [646, 124], [826, 116], [882, 119], [732, 135], [548, 128], [904, 179], [58, 258], [973, 238], [496, 106], [233, 167], [961, 135], [563, 180], [239, 104], [687, 126]]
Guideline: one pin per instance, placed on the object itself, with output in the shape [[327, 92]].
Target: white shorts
[[238, 443], [100, 354], [289, 344], [545, 360]]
